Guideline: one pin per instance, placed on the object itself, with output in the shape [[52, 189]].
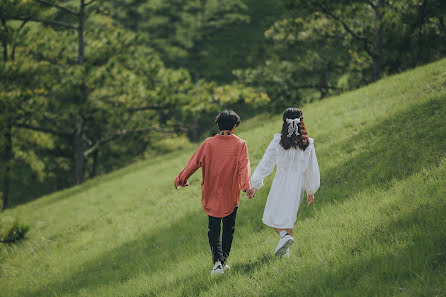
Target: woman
[[297, 171]]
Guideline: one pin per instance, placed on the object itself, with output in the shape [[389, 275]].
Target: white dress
[[297, 172]]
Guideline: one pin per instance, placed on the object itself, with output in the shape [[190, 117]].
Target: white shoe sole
[[282, 250], [215, 272]]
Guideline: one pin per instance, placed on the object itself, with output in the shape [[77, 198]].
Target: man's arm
[[191, 166], [244, 167]]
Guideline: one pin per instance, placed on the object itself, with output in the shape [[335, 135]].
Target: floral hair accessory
[[293, 125]]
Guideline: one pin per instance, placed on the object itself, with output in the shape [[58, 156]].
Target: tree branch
[[52, 60], [369, 2], [314, 87], [88, 3], [4, 41], [153, 107], [50, 22], [58, 6], [348, 29], [46, 130], [23, 24], [4, 23], [18, 31], [118, 133]]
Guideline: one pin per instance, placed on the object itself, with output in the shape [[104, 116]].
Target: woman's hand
[[310, 199]]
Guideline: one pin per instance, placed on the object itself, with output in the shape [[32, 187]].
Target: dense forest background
[[88, 86]]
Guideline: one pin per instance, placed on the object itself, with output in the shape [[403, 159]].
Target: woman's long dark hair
[[295, 141]]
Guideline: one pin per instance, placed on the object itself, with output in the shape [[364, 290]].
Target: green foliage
[[179, 30], [11, 230], [331, 46], [92, 107], [242, 46], [84, 94]]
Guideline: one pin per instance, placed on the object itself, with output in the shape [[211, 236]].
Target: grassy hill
[[378, 226]]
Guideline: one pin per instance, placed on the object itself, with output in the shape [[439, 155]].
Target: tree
[[383, 28], [18, 92], [96, 96], [308, 54], [180, 30], [361, 19]]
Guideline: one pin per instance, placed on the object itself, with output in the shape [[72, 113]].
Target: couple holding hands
[[225, 168]]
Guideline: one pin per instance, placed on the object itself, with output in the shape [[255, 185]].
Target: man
[[225, 168]]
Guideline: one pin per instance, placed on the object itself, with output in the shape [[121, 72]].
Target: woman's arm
[[265, 167], [312, 176]]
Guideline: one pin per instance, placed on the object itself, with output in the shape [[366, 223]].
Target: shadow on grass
[[392, 150], [406, 257], [148, 254], [251, 266]]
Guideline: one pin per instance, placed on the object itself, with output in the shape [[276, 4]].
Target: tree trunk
[[7, 164], [80, 35], [377, 44], [78, 145], [197, 70], [5, 51], [8, 148], [95, 167], [196, 130], [421, 19], [78, 142], [323, 83], [219, 8]]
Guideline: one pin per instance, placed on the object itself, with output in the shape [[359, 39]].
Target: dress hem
[[279, 227]]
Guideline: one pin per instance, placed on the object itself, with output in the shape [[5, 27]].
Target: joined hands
[[251, 192]]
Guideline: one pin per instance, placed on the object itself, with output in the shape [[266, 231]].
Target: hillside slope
[[377, 227]]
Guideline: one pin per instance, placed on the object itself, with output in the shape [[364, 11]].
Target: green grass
[[378, 226]]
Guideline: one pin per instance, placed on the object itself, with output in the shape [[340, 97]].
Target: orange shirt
[[225, 169]]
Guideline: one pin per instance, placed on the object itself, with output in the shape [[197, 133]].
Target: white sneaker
[[218, 268], [284, 243], [226, 267], [287, 253]]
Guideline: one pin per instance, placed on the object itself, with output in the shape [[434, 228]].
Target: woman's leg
[[289, 231], [285, 241]]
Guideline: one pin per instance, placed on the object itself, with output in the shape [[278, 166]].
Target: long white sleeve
[[265, 167], [312, 175]]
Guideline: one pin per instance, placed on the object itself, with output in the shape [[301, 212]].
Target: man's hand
[[251, 192], [310, 199], [176, 183]]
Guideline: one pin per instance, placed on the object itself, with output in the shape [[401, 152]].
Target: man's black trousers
[[221, 248]]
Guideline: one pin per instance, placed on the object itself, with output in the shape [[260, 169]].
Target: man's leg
[[214, 238], [228, 233]]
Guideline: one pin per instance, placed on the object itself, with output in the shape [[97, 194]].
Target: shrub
[[11, 230]]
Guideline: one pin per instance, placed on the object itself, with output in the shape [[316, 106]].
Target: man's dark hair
[[227, 119]]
